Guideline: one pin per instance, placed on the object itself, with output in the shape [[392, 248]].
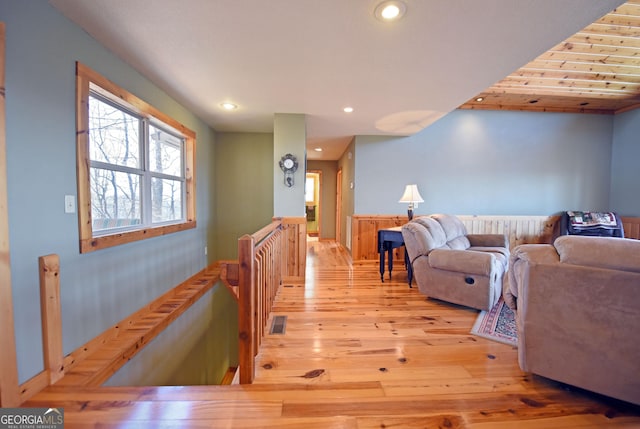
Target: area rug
[[498, 324]]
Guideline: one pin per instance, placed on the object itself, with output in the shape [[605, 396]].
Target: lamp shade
[[411, 195]]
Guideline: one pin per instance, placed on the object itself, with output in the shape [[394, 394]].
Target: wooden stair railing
[[274, 253], [260, 259], [94, 362]]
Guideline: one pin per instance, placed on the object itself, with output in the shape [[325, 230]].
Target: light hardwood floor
[[358, 353]]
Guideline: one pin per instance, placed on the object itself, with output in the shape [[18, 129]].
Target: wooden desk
[[389, 239]]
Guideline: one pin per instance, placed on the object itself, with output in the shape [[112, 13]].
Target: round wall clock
[[289, 165]]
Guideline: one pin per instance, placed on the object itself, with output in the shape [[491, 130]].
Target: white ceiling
[[318, 56]]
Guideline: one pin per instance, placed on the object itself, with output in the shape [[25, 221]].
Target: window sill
[[106, 241]]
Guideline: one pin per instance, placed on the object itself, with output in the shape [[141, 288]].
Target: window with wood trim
[[135, 166]]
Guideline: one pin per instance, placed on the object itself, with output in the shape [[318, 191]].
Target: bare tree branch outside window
[[116, 145], [114, 141], [135, 166]]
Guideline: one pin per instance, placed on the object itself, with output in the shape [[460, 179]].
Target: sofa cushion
[[501, 253], [488, 240], [601, 252], [454, 231], [465, 261], [433, 232], [422, 235]]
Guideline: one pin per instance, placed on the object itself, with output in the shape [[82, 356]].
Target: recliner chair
[[451, 265], [577, 305]]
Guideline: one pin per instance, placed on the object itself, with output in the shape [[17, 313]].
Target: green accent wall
[[244, 188]]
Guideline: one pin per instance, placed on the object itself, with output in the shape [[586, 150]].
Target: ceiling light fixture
[[391, 10], [479, 99], [318, 149], [348, 109], [229, 106]]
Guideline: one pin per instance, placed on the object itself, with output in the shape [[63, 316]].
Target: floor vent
[[278, 325]]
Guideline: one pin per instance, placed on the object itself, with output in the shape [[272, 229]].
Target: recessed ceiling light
[[229, 106], [391, 10], [318, 149], [479, 99], [348, 109]]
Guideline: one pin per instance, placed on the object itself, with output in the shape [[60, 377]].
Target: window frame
[[87, 81]]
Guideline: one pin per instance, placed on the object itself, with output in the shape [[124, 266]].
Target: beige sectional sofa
[[577, 308]]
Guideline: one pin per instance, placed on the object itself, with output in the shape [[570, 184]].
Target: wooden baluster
[[51, 316], [246, 310]]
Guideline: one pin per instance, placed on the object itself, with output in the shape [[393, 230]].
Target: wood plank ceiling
[[597, 70]]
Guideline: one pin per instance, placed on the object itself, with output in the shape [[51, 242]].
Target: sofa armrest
[[522, 257], [464, 261], [488, 240]]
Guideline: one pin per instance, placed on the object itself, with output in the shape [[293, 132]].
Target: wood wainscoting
[[364, 236], [631, 227], [519, 229]]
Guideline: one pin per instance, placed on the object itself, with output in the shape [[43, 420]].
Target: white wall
[[490, 163]]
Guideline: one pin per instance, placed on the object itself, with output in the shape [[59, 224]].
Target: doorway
[[312, 202], [339, 206]]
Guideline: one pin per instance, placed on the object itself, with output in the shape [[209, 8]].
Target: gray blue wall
[[102, 287], [625, 164], [490, 163]]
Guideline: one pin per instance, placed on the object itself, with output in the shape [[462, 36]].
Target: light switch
[[69, 204]]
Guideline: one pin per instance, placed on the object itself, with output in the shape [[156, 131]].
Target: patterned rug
[[498, 324]]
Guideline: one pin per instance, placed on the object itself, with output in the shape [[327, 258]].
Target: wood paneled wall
[[364, 236], [519, 229], [631, 227]]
